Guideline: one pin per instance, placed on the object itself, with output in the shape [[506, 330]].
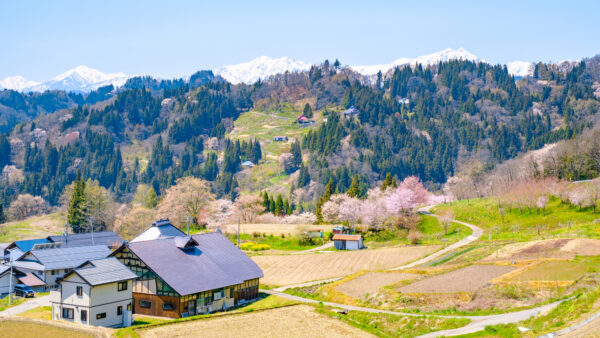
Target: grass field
[[558, 220], [42, 312], [387, 325], [369, 283], [294, 321], [25, 329], [34, 227], [291, 269], [275, 229], [15, 301]]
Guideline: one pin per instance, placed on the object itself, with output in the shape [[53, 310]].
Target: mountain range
[[84, 79]]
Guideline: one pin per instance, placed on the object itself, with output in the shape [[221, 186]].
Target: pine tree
[[387, 182], [151, 198], [279, 209], [354, 190], [296, 154], [2, 216], [77, 210], [303, 177], [326, 196], [308, 112]]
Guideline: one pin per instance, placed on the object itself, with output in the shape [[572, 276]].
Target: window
[[79, 291], [101, 315], [168, 307], [122, 286], [129, 307], [144, 304], [84, 315], [119, 310], [67, 313]]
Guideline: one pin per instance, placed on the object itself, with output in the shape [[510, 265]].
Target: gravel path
[[27, 305], [322, 247]]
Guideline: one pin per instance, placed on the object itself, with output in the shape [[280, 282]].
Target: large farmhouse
[[186, 275]]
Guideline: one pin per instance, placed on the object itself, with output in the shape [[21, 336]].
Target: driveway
[[27, 305]]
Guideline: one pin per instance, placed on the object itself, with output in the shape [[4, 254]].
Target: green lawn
[[4, 302], [525, 224], [279, 243], [430, 227]]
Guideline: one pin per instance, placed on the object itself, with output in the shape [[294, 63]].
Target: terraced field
[[291, 269]]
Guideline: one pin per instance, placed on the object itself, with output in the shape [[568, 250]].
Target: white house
[[5, 278], [50, 264], [97, 293], [348, 242]]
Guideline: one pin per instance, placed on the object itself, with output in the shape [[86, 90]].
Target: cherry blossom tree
[[349, 210]]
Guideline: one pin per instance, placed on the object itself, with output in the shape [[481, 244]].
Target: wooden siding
[[156, 305]]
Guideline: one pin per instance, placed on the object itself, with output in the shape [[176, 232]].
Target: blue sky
[[40, 39]]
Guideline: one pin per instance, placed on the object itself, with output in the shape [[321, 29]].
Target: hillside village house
[[49, 264], [99, 293], [182, 276]]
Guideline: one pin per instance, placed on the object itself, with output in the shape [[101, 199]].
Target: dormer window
[[186, 243]]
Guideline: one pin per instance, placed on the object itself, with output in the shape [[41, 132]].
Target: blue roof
[[27, 245], [247, 163]]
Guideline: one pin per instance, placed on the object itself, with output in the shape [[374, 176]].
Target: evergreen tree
[[324, 198], [303, 177], [151, 199], [296, 154], [4, 151], [308, 112], [2, 215], [387, 182], [77, 208], [279, 208], [354, 190]]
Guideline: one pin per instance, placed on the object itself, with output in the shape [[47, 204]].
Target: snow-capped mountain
[[425, 60], [16, 83], [260, 68], [80, 79], [520, 68]]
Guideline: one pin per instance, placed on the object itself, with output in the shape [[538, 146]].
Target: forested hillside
[[411, 121]]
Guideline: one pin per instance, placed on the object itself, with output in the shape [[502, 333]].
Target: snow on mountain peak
[[260, 68], [16, 83], [520, 68], [80, 79], [425, 60]]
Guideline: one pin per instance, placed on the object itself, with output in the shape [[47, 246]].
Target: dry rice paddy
[[565, 248], [293, 321], [371, 282], [292, 269], [468, 279]]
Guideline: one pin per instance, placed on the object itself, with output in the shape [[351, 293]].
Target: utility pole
[[10, 286], [92, 227], [188, 219], [238, 234]]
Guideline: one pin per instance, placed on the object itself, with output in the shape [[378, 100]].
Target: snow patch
[[425, 60], [520, 68], [260, 68]]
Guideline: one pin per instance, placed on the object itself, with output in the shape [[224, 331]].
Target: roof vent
[[185, 243], [161, 222]]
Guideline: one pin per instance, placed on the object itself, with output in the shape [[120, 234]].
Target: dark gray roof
[[68, 258], [107, 238], [214, 263], [104, 271]]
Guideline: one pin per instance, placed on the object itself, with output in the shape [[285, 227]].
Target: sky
[[40, 39]]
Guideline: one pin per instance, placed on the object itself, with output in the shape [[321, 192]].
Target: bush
[[251, 246], [415, 236]]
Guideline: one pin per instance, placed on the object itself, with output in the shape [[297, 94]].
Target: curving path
[[478, 323]]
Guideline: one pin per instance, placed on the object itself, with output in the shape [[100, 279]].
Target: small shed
[[280, 138], [348, 242], [315, 233]]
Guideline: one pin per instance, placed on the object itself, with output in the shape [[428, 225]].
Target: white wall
[[5, 282]]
